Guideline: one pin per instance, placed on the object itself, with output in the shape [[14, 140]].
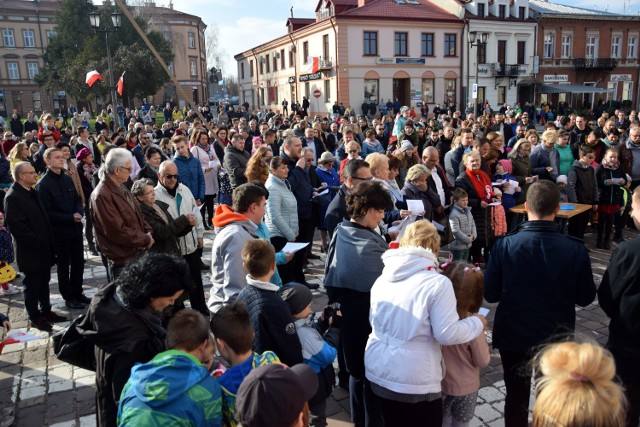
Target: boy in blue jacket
[[316, 352]]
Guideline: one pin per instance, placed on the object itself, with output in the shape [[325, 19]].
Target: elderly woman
[[416, 188], [521, 163], [166, 229], [356, 247], [353, 152], [326, 173], [477, 184], [146, 287], [258, 165], [379, 167], [410, 292], [282, 216]]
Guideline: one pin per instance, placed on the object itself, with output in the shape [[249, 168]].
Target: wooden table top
[[577, 209]]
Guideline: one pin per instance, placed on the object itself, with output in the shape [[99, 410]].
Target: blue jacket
[[191, 175], [537, 275], [172, 389], [281, 258]]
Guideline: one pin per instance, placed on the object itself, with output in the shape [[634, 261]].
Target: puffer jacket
[[413, 312], [191, 175], [462, 225], [281, 210]]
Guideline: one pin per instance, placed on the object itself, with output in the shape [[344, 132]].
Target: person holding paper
[[210, 164], [478, 187], [545, 159], [521, 163], [611, 178], [510, 187], [416, 189]]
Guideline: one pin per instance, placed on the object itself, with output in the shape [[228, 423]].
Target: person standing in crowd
[[64, 208], [410, 292], [210, 164], [234, 226], [147, 286], [121, 231], [236, 160], [30, 227], [536, 300], [582, 187], [86, 169], [611, 179], [181, 201], [188, 168], [184, 392], [618, 297]]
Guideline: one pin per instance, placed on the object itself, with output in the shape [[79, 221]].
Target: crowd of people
[[386, 192]]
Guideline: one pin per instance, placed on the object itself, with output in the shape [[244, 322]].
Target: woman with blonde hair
[[577, 388], [416, 188], [258, 165], [19, 153], [412, 293], [521, 163], [533, 137]]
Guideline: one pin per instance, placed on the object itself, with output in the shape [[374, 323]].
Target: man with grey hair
[[121, 231], [30, 227], [182, 202]]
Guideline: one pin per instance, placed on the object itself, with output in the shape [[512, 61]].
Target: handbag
[[70, 346]]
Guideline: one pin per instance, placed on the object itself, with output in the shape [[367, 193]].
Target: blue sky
[[243, 24]]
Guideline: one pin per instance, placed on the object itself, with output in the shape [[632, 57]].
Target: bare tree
[[215, 51], [231, 84]]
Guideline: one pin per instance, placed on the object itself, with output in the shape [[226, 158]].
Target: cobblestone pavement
[[36, 389]]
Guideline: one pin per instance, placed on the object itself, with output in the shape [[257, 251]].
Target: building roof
[[297, 23], [543, 7], [401, 9]]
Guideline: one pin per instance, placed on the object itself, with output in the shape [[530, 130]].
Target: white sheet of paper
[[437, 225], [495, 204], [213, 163], [512, 187], [22, 336], [497, 184], [322, 193], [196, 209], [415, 206], [293, 247], [483, 311]]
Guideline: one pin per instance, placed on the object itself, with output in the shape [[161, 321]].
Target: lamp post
[[116, 21], [478, 40]]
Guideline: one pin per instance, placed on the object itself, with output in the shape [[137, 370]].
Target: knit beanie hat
[[406, 145], [506, 164], [83, 154], [297, 297], [562, 179]]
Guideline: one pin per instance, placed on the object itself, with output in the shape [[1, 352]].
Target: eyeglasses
[[362, 179], [169, 176]]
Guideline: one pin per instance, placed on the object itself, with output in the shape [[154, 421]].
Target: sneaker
[[53, 317], [11, 290], [41, 324], [311, 286]]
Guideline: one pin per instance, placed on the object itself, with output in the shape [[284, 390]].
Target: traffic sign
[[316, 93], [474, 91]]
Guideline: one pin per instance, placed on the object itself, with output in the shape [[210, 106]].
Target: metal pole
[[475, 102], [114, 99]]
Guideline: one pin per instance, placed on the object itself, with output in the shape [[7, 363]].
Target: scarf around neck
[[608, 165], [481, 183]]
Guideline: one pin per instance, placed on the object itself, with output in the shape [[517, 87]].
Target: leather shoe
[[313, 256], [311, 285], [74, 305], [82, 298], [204, 266], [42, 324], [53, 317]]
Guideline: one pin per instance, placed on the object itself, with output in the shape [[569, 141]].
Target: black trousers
[[578, 224], [518, 382], [397, 413], [628, 369], [70, 262], [88, 231], [197, 295], [36, 292], [208, 209], [605, 226]]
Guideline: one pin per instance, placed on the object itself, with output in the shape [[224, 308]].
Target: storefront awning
[[570, 89]]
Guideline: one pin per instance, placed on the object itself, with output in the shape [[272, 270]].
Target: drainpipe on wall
[[467, 91], [295, 68], [335, 32]]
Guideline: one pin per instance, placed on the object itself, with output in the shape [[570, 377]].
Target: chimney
[[171, 5], [363, 2]]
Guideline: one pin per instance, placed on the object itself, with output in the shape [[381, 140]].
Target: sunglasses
[[169, 176]]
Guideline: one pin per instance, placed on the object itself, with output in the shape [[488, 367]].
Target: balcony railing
[[325, 63], [501, 69], [594, 64]]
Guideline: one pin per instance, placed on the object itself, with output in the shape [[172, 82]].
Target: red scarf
[[481, 183]]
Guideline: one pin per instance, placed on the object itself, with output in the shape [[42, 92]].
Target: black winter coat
[[165, 235], [609, 194], [61, 201], [481, 216], [29, 224]]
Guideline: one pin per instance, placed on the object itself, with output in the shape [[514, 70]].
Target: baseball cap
[[273, 395]]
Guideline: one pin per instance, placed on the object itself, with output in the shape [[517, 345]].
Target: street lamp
[[116, 22], [478, 40]]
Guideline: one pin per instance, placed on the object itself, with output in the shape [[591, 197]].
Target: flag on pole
[[314, 64], [92, 77], [121, 84]]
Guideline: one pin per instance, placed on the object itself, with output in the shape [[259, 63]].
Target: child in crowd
[[582, 187], [622, 215], [272, 323], [6, 254], [504, 168], [611, 179], [561, 182], [316, 352], [577, 387], [231, 326], [463, 227], [224, 195], [463, 361], [498, 216]]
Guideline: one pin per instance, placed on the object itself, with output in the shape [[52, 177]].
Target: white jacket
[[189, 242], [413, 312]]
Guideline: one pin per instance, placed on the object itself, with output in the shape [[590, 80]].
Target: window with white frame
[[29, 38], [567, 41], [627, 91], [592, 46], [193, 66], [548, 46], [51, 34], [7, 38], [192, 40], [32, 67], [632, 47], [12, 71], [616, 45]]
